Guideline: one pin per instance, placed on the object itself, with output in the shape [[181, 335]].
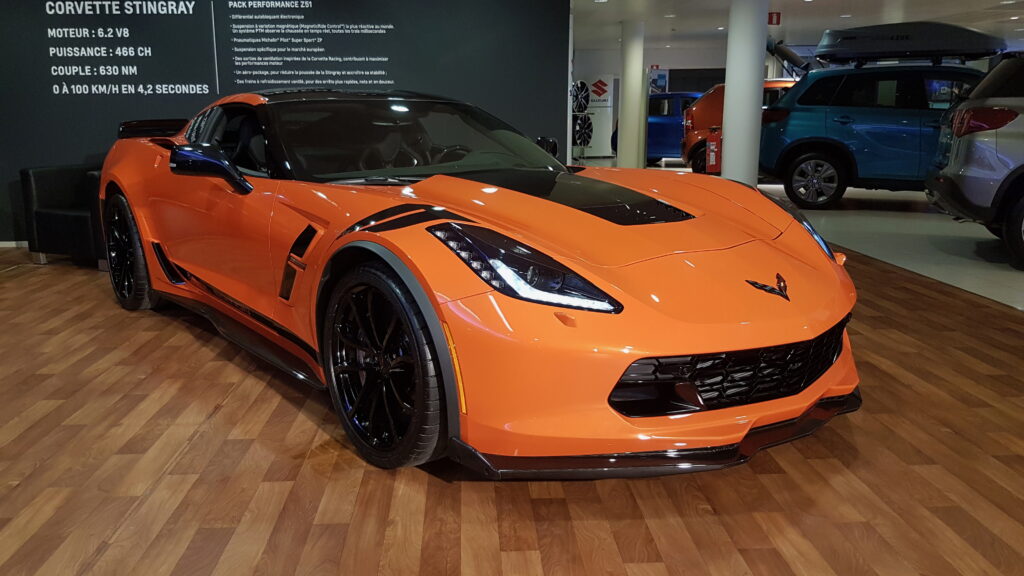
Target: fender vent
[[170, 270], [294, 263], [302, 243]]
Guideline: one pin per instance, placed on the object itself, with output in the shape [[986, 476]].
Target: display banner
[[73, 69]]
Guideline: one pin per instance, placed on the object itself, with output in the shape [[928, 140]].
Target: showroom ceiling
[[596, 24]]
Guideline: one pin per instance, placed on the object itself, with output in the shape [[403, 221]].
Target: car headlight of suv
[[519, 271], [797, 215]]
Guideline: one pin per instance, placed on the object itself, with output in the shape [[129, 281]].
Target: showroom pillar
[[633, 103], [744, 80]]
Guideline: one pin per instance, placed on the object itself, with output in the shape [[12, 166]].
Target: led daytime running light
[[527, 291]]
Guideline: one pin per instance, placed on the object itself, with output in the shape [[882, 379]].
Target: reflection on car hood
[[608, 217]]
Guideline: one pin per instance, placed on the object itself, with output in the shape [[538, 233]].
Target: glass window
[[820, 93], [941, 93], [339, 139], [773, 95], [878, 91], [660, 106]]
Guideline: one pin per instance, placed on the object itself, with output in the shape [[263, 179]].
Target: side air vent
[[294, 264], [170, 270], [302, 243]]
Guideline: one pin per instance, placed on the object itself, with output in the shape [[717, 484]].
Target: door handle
[[842, 119]]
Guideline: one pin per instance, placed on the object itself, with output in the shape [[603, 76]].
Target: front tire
[[129, 275], [381, 369], [815, 181]]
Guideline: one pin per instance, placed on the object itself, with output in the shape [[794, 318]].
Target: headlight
[[797, 215], [519, 271]]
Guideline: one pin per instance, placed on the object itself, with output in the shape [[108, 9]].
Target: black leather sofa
[[62, 212]]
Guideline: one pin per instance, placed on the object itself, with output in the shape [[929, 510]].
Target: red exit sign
[[774, 18]]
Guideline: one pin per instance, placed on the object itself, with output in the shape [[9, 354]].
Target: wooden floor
[[143, 443]]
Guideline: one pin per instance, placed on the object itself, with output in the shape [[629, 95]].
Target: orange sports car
[[462, 294]]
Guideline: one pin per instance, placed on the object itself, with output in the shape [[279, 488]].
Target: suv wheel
[[1013, 232], [815, 180]]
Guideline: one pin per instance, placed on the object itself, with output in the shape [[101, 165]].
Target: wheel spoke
[[387, 413], [373, 335]]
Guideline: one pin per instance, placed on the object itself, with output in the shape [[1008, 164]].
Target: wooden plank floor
[[143, 443]]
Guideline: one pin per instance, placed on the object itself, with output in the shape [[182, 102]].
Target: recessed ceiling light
[[668, 45], [600, 1], [846, 15], [670, 15], [721, 27], [1014, 17], [1008, 2]]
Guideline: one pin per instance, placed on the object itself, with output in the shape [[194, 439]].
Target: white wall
[[702, 54]]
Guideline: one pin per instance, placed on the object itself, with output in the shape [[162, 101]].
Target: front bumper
[[642, 464]]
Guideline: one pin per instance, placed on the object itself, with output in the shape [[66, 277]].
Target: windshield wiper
[[380, 180]]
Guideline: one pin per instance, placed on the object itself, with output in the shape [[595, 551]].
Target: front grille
[[700, 382]]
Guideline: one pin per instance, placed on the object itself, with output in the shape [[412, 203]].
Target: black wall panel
[[73, 69]]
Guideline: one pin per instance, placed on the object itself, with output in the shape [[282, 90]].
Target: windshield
[[332, 140]]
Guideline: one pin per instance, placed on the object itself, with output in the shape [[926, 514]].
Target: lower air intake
[[700, 382]]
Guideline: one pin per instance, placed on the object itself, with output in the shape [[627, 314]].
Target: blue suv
[[871, 127]]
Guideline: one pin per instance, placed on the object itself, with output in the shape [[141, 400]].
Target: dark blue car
[[664, 124]]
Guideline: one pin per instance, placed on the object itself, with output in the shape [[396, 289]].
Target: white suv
[[979, 172]]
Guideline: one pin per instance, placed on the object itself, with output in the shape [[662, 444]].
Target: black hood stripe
[[418, 218], [383, 215], [605, 200]]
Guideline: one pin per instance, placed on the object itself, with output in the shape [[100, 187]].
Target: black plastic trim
[[302, 241], [260, 318], [169, 269], [252, 342], [643, 464]]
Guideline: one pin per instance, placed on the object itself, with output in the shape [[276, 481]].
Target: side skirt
[[251, 341]]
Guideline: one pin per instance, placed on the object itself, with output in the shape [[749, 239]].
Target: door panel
[[878, 117], [219, 235], [664, 128]]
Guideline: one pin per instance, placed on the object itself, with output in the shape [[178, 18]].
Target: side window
[[941, 93], [773, 95], [239, 133], [885, 90], [660, 106], [198, 125], [821, 92]]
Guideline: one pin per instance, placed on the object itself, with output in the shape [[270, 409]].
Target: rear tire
[[1013, 233], [995, 229], [815, 181], [381, 369], [126, 260]]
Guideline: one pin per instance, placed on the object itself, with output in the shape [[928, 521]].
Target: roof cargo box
[[911, 40]]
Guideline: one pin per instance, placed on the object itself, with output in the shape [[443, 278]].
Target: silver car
[[979, 172]]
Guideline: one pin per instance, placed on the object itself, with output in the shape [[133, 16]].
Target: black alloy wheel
[[381, 369], [129, 275]]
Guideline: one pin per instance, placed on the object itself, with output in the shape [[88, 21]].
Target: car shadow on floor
[[296, 392]]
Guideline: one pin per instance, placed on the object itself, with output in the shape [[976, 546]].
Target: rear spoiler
[[151, 128]]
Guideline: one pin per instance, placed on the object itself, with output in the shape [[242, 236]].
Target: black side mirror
[[548, 144], [207, 160]]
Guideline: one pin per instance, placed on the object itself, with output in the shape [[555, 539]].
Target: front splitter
[[641, 464]]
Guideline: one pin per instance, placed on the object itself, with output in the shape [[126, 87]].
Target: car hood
[[607, 217]]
